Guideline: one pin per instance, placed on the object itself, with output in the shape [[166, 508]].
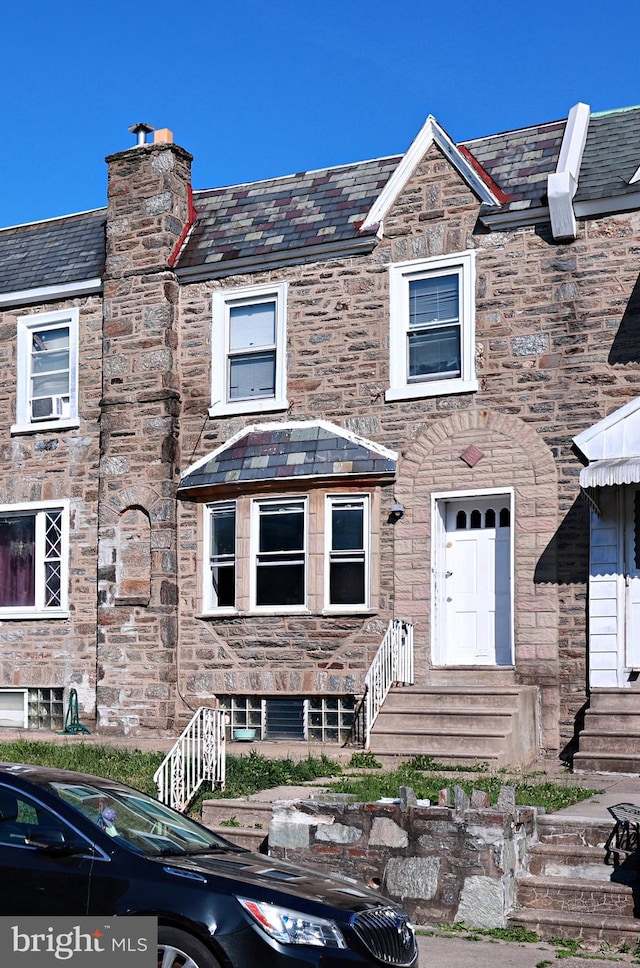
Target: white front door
[[632, 578], [476, 584]]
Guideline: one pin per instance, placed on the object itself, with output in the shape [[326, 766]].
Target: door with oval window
[[476, 583]]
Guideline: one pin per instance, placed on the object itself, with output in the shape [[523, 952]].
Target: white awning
[[614, 470]]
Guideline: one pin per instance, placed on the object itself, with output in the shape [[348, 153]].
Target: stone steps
[[610, 739], [485, 721], [573, 888], [243, 822], [575, 895], [585, 927]]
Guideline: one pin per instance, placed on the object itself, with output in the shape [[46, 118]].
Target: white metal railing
[[198, 755], [393, 663]]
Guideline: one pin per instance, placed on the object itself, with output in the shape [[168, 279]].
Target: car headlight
[[293, 927]]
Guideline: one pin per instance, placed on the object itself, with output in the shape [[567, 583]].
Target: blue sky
[[256, 89]]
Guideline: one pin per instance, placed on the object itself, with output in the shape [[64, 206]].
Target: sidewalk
[[453, 951]]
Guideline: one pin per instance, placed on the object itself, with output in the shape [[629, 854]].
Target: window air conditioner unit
[[47, 408]]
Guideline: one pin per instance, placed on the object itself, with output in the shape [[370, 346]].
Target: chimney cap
[[141, 130]]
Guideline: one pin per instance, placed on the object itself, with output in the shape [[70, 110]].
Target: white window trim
[[220, 406], [25, 326], [208, 604], [38, 610], [332, 499], [256, 504], [400, 275]]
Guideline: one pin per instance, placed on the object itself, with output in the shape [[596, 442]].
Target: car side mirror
[[52, 841]]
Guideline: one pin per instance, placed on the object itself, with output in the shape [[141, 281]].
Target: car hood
[[255, 871]]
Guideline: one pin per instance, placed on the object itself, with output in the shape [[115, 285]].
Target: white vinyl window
[[220, 569], [432, 327], [249, 350], [34, 549], [279, 539], [347, 552], [47, 378]]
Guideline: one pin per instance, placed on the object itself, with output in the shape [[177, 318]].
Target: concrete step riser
[[601, 763], [616, 930], [438, 701], [254, 840], [581, 867], [390, 761], [552, 894], [602, 743], [405, 720], [246, 813], [573, 833], [437, 744], [617, 701]]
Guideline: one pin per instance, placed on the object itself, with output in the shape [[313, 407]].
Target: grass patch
[[515, 933], [134, 767], [252, 772], [426, 784]]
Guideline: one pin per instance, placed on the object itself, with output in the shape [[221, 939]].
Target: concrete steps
[[610, 739], [243, 822], [485, 722], [573, 888]]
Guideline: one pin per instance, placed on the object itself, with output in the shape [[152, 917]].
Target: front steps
[[573, 889], [487, 723], [243, 822], [610, 739]]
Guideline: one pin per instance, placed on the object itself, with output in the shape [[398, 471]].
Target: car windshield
[[138, 821]]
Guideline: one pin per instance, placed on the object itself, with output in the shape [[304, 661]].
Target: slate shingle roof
[[519, 161], [285, 219], [52, 253], [611, 155], [272, 454], [281, 214]]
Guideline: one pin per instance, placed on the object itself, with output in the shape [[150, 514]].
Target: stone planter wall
[[443, 863]]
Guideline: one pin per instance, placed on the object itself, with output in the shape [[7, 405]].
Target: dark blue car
[[74, 844]]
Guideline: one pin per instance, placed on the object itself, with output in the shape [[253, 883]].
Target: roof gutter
[[361, 245], [26, 297]]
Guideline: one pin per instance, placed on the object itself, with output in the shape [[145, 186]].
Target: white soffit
[[430, 133]]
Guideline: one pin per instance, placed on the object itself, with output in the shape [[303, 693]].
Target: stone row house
[[247, 428]]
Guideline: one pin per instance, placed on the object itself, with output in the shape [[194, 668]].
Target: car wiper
[[211, 849]]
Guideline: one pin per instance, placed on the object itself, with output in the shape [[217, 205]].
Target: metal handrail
[[393, 663], [199, 754]]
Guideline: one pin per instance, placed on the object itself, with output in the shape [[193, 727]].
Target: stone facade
[[555, 351]]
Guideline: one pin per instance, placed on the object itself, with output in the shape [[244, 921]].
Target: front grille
[[388, 934]]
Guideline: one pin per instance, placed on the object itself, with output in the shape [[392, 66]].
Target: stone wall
[[443, 863], [550, 326]]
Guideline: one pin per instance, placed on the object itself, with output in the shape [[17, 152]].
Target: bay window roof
[[274, 453]]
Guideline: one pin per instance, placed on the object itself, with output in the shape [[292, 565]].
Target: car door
[[40, 879]]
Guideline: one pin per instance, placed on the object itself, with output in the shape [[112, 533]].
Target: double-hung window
[[279, 534], [47, 388], [347, 552], [293, 553], [34, 548], [220, 591], [432, 327], [249, 351]]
